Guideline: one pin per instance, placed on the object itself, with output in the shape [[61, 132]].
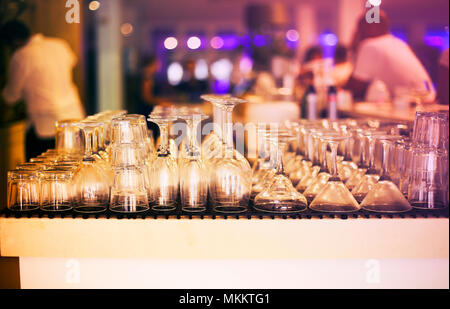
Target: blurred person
[[310, 66], [382, 57], [443, 92], [343, 68], [149, 90], [40, 72], [191, 87]]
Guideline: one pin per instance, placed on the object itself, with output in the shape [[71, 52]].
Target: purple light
[[328, 39], [230, 41], [292, 35], [222, 86], [259, 40]]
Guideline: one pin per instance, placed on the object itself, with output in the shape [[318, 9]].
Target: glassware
[[431, 130], [385, 196], [193, 173], [371, 176], [69, 139], [322, 178], [91, 183], [128, 193], [311, 166], [56, 190], [428, 186], [231, 180], [164, 170], [280, 196], [357, 176], [334, 197], [23, 190]]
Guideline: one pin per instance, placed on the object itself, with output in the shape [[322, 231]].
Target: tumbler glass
[[56, 190], [23, 190], [128, 193]]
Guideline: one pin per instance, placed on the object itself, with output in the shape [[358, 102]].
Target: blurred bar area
[[358, 91]]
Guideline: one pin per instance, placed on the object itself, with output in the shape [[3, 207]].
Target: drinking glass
[[322, 178], [164, 169], [91, 182], [23, 190], [371, 176], [357, 176], [69, 139], [428, 186], [334, 197], [280, 196], [193, 171], [128, 192], [385, 196], [431, 130], [231, 178], [56, 189]]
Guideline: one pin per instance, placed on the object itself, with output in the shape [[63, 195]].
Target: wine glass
[[91, 183], [334, 197], [280, 196], [231, 180], [371, 176], [164, 169], [385, 195], [193, 171]]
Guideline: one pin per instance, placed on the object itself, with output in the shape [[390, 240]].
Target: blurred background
[[193, 47]]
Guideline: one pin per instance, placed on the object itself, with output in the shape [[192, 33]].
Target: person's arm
[[13, 92], [357, 87], [367, 62]]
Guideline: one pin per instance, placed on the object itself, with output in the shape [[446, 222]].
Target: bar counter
[[410, 252]]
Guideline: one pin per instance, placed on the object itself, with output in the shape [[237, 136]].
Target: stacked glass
[[428, 170]]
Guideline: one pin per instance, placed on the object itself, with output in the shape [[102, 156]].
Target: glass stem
[[362, 155], [385, 173], [164, 143], [324, 162], [279, 167], [217, 121], [228, 129], [192, 129], [371, 156], [88, 142], [334, 169]]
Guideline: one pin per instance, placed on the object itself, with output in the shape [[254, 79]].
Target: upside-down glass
[[23, 190], [334, 197], [385, 196], [91, 182], [164, 169], [128, 192], [280, 196], [428, 185], [231, 179], [56, 189], [192, 169], [69, 139]]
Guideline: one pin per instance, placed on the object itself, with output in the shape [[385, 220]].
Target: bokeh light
[[292, 35], [217, 42], [126, 29], [221, 69], [94, 5], [174, 73], [201, 69], [194, 42], [170, 43]]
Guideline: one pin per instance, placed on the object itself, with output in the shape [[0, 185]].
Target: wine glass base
[[90, 209], [23, 208], [230, 209], [386, 208], [281, 208], [334, 208]]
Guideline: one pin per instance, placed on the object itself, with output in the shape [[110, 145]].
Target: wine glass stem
[[334, 150], [385, 173], [371, 153], [324, 162], [88, 141], [164, 140], [217, 121], [192, 126], [228, 130]]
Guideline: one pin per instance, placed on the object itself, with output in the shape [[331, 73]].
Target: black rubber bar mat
[[251, 214]]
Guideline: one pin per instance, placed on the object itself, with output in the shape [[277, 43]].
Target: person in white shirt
[[380, 56], [40, 72]]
